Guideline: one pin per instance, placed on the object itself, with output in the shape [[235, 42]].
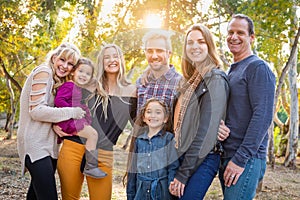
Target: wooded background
[[29, 29]]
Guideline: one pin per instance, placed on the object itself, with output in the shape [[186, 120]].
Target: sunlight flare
[[153, 21]]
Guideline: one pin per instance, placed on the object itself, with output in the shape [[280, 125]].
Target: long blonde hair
[[212, 61], [102, 82], [67, 51], [101, 75]]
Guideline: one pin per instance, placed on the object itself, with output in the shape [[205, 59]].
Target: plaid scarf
[[187, 90]]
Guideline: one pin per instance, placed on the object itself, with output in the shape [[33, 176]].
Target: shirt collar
[[168, 75], [145, 135], [233, 66], [242, 61]]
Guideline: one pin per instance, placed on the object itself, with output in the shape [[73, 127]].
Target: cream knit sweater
[[35, 136]]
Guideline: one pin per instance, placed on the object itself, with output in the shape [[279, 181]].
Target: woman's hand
[[223, 131], [78, 113], [58, 131], [176, 188], [144, 77]]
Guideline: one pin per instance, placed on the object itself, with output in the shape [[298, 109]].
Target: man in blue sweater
[[249, 114]]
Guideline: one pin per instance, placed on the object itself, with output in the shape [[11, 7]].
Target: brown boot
[[91, 166]]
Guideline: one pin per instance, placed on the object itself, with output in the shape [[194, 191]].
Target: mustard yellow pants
[[71, 179]]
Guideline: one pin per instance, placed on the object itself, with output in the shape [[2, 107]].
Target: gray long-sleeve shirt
[[250, 109]]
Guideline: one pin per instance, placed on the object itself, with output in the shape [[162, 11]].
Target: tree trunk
[[291, 152], [10, 116], [8, 76], [277, 93], [271, 156]]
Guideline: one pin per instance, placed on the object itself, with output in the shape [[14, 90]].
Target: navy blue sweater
[[250, 110]]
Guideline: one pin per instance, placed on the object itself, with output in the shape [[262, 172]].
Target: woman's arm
[[173, 162], [40, 108]]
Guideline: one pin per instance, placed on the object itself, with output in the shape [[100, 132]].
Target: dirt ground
[[279, 183]]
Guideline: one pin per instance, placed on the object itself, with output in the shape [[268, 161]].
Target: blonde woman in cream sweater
[[37, 143]]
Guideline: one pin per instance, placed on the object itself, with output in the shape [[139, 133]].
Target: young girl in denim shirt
[[153, 158]]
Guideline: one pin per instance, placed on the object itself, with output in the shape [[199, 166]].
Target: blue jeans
[[202, 178], [245, 188]]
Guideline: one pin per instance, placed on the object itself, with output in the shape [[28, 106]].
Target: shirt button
[[149, 154], [148, 166], [148, 191], [204, 90]]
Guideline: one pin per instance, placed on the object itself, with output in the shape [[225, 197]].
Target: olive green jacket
[[200, 124]]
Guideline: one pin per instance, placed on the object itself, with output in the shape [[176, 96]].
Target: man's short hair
[[158, 34], [248, 19]]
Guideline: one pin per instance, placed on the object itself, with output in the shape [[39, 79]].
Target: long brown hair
[[212, 61]]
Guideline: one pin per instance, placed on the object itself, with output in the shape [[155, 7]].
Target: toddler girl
[[70, 94]]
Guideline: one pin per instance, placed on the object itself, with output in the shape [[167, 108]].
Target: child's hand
[[144, 77]]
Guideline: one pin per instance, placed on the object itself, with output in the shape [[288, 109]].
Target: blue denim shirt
[[154, 164]]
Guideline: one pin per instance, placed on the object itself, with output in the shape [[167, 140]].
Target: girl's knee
[[94, 134]]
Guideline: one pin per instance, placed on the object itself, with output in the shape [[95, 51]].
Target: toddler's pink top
[[70, 95]]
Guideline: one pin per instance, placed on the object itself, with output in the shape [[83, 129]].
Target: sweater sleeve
[[212, 110], [172, 156], [41, 108], [261, 89]]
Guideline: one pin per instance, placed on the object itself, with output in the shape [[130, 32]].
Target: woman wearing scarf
[[201, 105]]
